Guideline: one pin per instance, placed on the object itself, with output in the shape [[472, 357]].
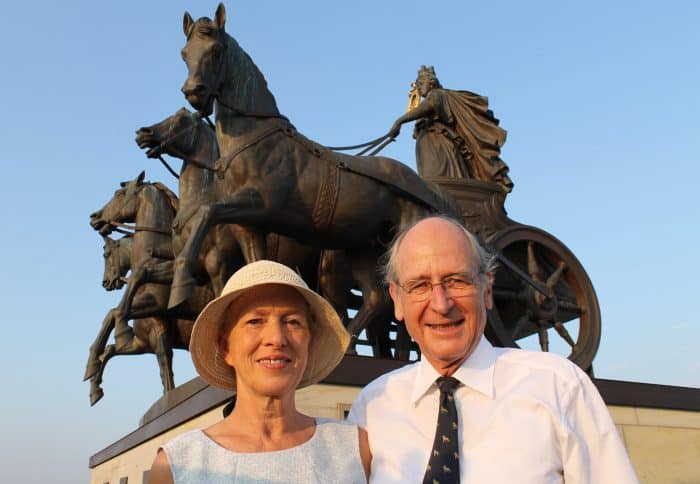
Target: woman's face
[[424, 86], [268, 344]]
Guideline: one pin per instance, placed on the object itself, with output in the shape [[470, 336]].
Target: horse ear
[[187, 23], [139, 179], [220, 16]]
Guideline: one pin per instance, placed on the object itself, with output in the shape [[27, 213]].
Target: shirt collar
[[476, 372]]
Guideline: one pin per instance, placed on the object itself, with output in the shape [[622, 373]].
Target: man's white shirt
[[524, 417]]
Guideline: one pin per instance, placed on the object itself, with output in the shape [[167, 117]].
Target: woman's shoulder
[[184, 440], [331, 423], [332, 432]]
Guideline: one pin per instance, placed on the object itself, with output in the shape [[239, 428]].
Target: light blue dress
[[331, 455]]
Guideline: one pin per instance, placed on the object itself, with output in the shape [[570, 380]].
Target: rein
[[128, 229], [378, 143]]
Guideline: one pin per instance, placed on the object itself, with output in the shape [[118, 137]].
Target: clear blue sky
[[599, 99]]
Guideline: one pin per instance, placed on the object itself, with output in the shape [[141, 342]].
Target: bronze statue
[[255, 188], [157, 334], [456, 134], [184, 135], [275, 178], [151, 207]]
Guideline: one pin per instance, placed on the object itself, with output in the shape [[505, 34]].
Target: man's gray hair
[[487, 260]]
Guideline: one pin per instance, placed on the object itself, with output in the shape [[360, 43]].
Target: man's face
[[446, 329]]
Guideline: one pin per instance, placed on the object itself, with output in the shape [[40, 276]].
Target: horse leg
[[376, 308], [98, 346], [252, 242], [136, 346], [245, 206], [335, 281], [145, 304], [96, 392], [159, 273], [164, 351]]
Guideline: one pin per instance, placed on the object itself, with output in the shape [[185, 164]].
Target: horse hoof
[[96, 395], [90, 370]]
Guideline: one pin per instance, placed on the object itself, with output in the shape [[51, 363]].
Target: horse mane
[[171, 197], [247, 81]]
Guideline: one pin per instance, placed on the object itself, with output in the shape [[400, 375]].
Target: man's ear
[[398, 307], [488, 291]]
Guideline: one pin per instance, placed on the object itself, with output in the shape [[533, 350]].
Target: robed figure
[[456, 134]]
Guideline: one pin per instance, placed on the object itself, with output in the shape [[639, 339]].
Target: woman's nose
[[275, 333]]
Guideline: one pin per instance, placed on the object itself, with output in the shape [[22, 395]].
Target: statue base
[[659, 424]]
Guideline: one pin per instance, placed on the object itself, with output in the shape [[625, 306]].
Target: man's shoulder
[[539, 362]]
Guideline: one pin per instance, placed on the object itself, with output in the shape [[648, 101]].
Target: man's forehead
[[436, 240]]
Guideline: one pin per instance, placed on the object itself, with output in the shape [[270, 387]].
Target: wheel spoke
[[564, 333], [532, 266], [553, 279], [571, 306], [544, 338]]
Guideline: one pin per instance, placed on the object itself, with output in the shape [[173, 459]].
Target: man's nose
[[440, 302]]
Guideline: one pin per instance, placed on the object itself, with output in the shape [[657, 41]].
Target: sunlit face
[[446, 329], [268, 344]]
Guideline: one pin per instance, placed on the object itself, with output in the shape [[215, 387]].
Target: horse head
[[219, 70], [117, 256], [121, 208], [204, 53], [176, 135]]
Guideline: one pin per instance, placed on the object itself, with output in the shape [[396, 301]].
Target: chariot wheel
[[543, 297]]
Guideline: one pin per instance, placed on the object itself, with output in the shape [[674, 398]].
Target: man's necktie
[[443, 466]]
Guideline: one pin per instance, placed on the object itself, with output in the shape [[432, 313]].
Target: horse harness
[[129, 230], [327, 197]]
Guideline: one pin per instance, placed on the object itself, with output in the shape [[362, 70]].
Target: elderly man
[[468, 411]]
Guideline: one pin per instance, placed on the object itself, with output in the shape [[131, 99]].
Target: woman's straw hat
[[329, 338]]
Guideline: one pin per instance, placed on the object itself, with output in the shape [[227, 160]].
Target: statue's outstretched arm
[[423, 110]]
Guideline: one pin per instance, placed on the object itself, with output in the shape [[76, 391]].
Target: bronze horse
[[158, 335], [185, 136], [151, 207], [277, 180]]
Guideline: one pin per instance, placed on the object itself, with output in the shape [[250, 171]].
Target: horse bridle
[[170, 137], [128, 229]]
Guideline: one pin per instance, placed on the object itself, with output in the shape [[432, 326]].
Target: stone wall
[[664, 444]]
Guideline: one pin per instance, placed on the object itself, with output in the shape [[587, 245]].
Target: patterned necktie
[[443, 466]]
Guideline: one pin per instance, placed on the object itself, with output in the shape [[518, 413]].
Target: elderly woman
[[265, 336]]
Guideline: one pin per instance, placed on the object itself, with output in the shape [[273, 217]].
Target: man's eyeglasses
[[456, 285]]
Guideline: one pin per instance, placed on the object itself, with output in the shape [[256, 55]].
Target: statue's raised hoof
[[96, 395], [91, 369]]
